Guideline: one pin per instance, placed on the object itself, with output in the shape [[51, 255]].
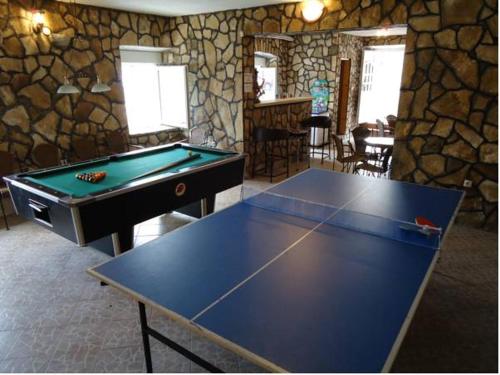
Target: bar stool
[[271, 138], [315, 123], [301, 135]]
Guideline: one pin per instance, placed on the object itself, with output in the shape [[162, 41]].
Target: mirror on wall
[[266, 65]]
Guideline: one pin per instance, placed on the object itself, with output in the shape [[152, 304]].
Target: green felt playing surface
[[119, 171]]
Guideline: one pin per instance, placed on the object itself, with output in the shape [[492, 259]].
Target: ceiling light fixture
[[312, 10]]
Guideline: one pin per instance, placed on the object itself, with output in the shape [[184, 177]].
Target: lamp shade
[[67, 88], [100, 87], [312, 10]]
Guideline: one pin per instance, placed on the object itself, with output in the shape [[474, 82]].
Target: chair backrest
[[85, 149], [7, 165], [261, 134], [198, 136], [359, 134], [391, 120], [46, 155], [380, 126], [339, 146], [324, 122], [372, 127], [117, 142]]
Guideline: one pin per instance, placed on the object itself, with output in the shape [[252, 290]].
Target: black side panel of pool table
[[121, 212], [60, 216]]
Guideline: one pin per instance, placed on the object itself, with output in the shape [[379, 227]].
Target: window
[[266, 65], [155, 94]]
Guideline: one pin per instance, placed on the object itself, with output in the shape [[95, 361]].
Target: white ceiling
[[397, 30], [178, 7]]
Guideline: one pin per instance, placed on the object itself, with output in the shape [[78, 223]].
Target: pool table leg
[[199, 208], [123, 240]]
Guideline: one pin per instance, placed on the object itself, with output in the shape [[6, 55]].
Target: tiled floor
[[56, 318]]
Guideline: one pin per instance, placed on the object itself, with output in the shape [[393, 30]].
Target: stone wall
[[384, 41], [317, 55], [447, 127], [32, 68], [313, 57], [210, 44]]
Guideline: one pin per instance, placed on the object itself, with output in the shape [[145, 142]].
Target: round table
[[381, 142]]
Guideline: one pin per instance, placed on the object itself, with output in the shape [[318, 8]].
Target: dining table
[[381, 142]]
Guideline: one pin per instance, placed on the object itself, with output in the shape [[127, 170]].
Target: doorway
[[380, 82]]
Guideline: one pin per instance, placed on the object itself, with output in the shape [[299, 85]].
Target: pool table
[[103, 214]]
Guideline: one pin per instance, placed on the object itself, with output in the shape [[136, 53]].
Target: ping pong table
[[321, 273]]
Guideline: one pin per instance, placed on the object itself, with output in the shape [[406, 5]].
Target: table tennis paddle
[[423, 225]]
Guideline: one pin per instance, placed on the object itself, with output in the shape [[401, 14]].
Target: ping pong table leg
[[145, 337], [147, 331]]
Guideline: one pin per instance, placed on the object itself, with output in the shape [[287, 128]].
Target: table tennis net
[[345, 218]]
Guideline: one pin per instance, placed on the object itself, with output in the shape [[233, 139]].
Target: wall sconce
[[38, 20], [312, 10], [69, 88]]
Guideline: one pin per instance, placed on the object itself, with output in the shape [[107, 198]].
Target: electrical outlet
[[467, 183]]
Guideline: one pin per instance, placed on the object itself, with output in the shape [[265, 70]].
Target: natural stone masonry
[[448, 107], [318, 56], [448, 104], [32, 68], [211, 47], [312, 56]]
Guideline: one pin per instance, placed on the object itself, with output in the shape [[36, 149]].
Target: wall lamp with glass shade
[[38, 20], [69, 88], [312, 10]]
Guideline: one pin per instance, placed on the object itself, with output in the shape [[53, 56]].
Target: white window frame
[[186, 99], [154, 56]]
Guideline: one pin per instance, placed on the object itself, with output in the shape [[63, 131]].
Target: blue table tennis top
[[302, 300]]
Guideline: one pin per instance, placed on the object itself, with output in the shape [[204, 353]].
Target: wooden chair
[[270, 138], [46, 155], [391, 123], [347, 161], [373, 127], [7, 167], [118, 143], [381, 128], [376, 170], [359, 134], [85, 149]]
